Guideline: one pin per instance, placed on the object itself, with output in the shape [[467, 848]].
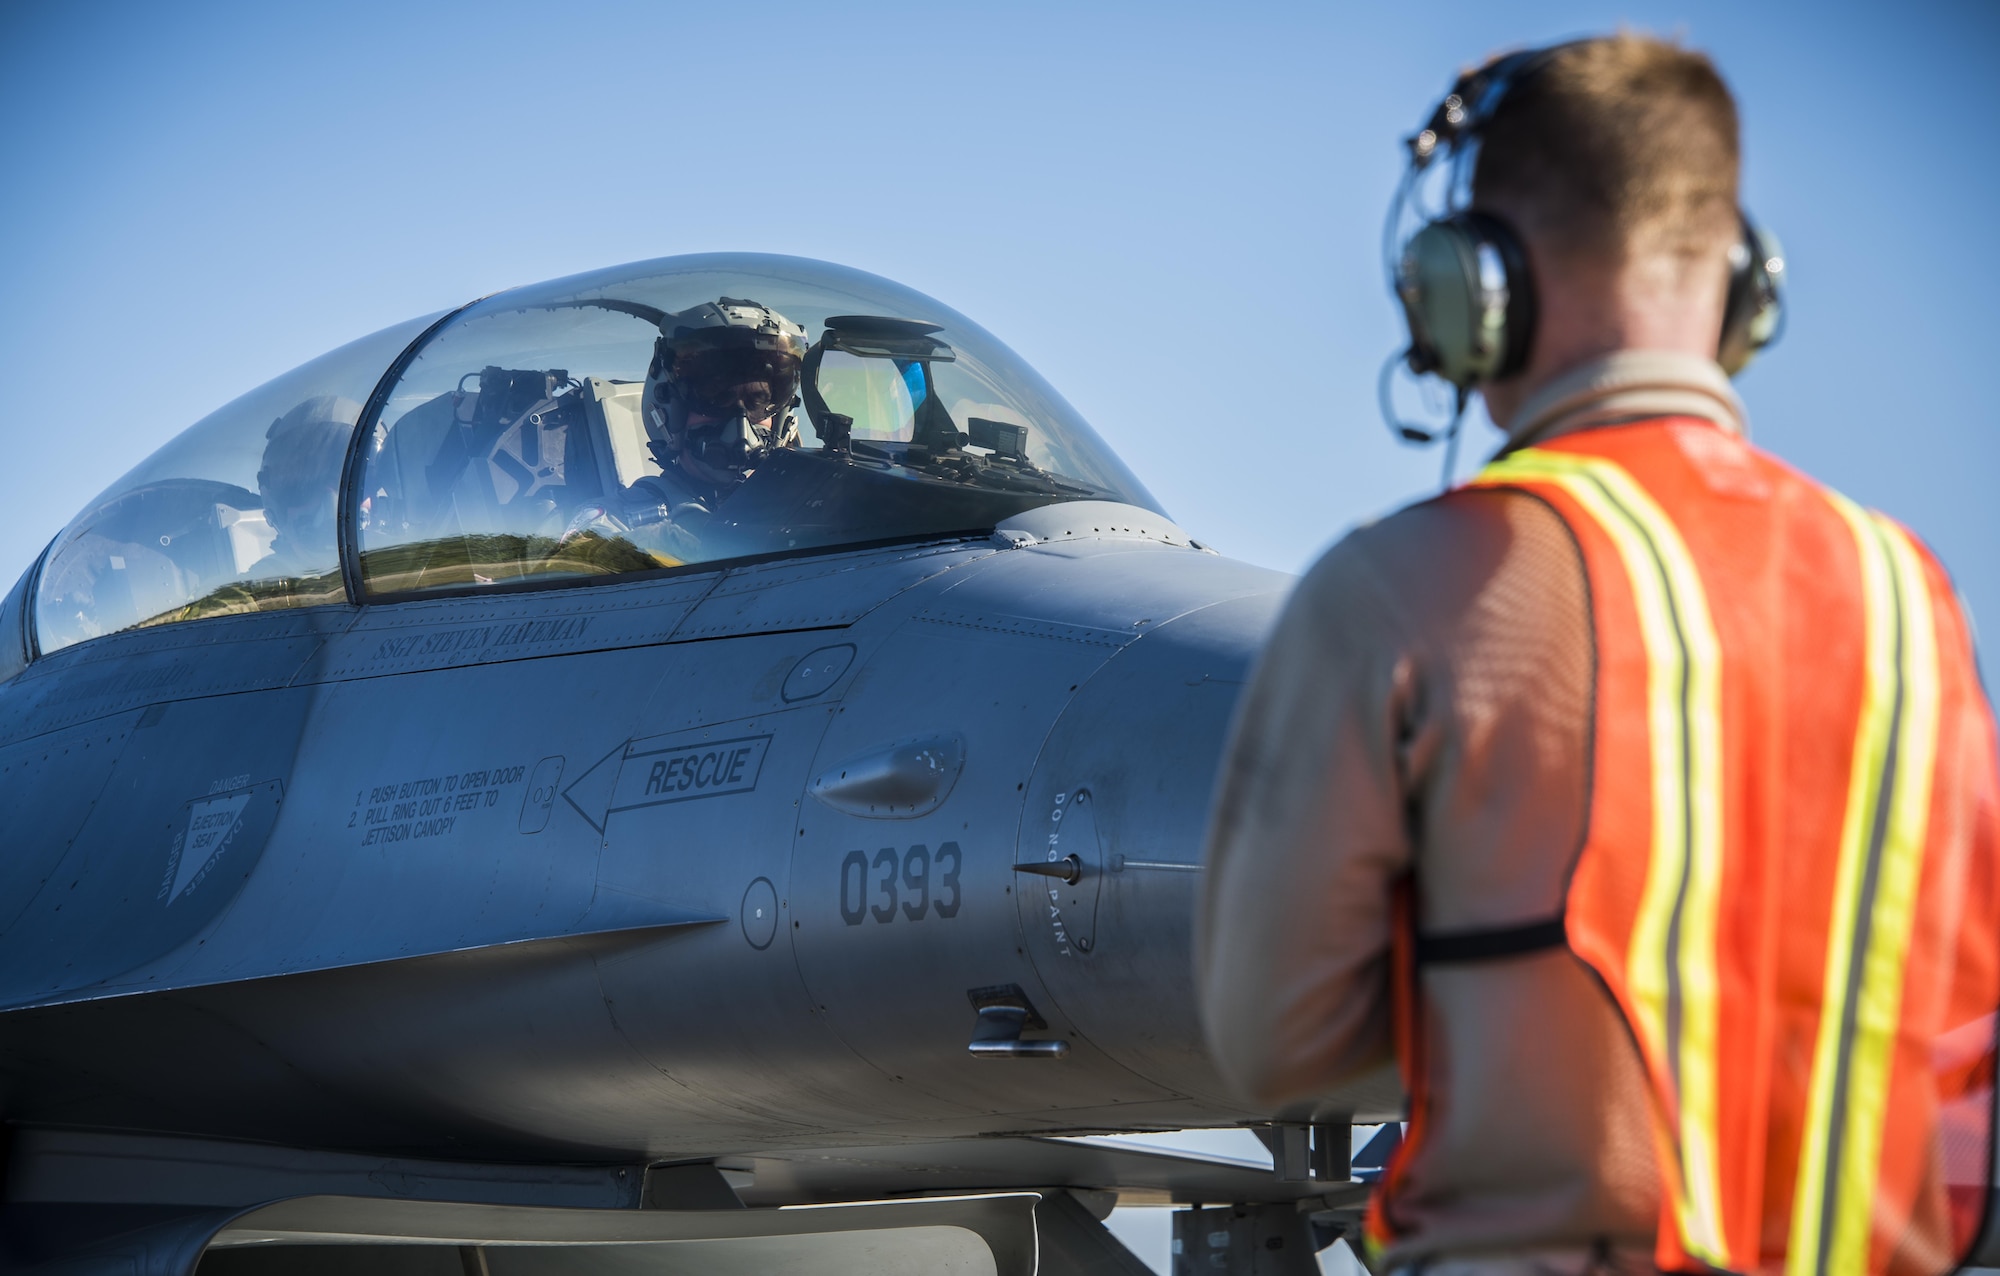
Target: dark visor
[[721, 383]]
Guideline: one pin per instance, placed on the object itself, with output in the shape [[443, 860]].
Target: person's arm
[[1308, 836]]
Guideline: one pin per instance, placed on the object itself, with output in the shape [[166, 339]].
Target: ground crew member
[[1639, 796]]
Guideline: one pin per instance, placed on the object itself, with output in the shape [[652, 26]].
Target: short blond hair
[[1626, 145]]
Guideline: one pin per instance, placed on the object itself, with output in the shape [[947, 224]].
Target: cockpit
[[667, 416]]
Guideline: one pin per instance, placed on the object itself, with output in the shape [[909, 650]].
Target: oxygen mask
[[723, 452]]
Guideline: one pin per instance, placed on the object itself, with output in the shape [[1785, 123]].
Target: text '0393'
[[888, 883]]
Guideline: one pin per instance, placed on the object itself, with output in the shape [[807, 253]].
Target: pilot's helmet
[[722, 386], [304, 451]]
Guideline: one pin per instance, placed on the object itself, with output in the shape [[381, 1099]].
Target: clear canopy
[[674, 412], [695, 409], [236, 513]]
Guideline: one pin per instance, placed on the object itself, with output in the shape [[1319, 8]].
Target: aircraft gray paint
[[447, 848]]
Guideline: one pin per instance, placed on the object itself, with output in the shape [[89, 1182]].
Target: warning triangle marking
[[210, 826]]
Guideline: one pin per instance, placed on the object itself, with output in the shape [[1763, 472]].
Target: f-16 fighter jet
[[520, 789]]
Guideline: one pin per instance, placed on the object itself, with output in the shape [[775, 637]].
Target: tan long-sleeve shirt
[[1424, 706]]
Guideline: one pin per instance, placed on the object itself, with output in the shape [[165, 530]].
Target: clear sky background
[[1172, 210]]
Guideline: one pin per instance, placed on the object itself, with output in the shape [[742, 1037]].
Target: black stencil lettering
[[917, 877], [888, 862], [949, 879], [854, 869]]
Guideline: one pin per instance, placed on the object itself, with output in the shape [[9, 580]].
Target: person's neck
[[1588, 310]]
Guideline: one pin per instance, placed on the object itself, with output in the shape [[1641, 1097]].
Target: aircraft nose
[[1123, 786]]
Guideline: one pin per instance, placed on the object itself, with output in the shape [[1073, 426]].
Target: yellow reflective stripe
[[1906, 833], [1878, 876], [1804, 1254], [1670, 965]]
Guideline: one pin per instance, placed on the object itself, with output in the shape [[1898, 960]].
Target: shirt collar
[[1629, 385]]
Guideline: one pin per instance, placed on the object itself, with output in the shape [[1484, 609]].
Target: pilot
[[720, 396], [304, 453]]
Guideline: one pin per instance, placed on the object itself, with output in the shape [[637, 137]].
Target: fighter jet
[[552, 782]]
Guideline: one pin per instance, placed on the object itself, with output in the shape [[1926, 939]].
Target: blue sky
[[1171, 210]]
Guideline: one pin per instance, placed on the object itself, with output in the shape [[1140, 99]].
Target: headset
[[1463, 278]]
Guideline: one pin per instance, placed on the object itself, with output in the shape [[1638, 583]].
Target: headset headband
[[1469, 107]]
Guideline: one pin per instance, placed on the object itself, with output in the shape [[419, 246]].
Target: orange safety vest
[[1789, 882]]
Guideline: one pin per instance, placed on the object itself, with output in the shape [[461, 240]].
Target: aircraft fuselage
[[673, 867]]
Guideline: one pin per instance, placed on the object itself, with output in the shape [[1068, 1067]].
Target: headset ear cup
[[1514, 296], [1753, 312], [1465, 289], [1430, 283]]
